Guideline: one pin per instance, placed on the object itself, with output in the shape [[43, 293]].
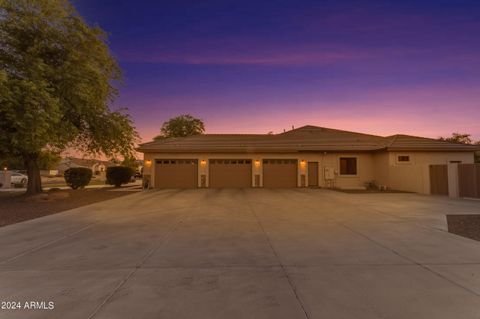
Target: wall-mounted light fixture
[[5, 168], [203, 162], [303, 163], [148, 163], [257, 163]]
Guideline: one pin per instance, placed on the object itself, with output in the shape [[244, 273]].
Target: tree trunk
[[34, 185]]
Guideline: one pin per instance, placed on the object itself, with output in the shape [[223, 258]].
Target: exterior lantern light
[[303, 163], [257, 163], [148, 163], [203, 162]]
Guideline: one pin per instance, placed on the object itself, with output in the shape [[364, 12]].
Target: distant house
[[97, 166], [307, 156]]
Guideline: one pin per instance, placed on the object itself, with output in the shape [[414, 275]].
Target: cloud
[[241, 51]]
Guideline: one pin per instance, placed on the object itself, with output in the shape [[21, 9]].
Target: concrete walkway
[[254, 253]]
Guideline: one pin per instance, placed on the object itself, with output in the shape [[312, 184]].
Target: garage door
[[233, 173], [279, 173], [176, 173]]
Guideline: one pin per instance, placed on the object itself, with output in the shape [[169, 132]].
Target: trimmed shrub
[[77, 177], [118, 175]]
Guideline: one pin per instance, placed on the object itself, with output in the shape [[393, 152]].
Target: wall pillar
[[203, 178], [302, 173], [257, 173], [453, 185], [148, 173]]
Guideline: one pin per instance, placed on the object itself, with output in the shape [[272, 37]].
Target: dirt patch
[[465, 225], [15, 208]]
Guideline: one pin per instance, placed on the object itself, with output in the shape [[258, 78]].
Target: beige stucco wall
[[364, 165], [364, 170], [414, 175], [380, 167]]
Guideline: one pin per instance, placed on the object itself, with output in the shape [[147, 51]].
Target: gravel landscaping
[[15, 207], [465, 225]]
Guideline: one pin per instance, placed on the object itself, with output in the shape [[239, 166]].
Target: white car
[[19, 179]]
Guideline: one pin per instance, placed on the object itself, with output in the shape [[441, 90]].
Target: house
[[97, 166], [308, 156]]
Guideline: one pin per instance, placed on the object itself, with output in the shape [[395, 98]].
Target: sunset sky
[[381, 67]]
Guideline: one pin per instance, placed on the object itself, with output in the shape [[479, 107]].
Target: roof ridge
[[430, 138], [236, 134], [330, 129], [393, 139]]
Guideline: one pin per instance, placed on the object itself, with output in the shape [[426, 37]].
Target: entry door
[[313, 174]]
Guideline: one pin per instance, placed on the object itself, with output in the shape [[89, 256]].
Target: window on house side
[[348, 166], [403, 158]]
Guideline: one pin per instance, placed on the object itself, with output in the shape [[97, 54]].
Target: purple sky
[[381, 67]]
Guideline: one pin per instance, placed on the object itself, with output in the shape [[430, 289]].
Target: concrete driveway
[[255, 253]]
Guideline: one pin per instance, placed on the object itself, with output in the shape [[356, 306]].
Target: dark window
[[248, 162], [348, 166], [455, 162], [403, 158]]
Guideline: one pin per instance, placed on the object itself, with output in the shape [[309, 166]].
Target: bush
[[118, 175], [78, 177]]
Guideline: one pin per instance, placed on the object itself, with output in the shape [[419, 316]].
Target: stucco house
[[308, 156]]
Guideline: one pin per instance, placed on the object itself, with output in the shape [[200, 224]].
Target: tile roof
[[304, 139]]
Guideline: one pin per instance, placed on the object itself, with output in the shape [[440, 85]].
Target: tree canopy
[[181, 126], [130, 161], [57, 83], [464, 139], [458, 138]]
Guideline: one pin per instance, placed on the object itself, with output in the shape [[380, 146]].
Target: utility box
[[329, 173]]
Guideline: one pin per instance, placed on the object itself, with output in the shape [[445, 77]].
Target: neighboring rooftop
[[304, 139], [69, 162]]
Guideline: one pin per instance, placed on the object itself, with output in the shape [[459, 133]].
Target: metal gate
[[439, 179], [469, 180]]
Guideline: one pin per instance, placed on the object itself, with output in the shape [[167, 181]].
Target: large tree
[[181, 126], [57, 82], [458, 138]]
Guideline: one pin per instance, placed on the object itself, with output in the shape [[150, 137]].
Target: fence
[[439, 179], [469, 180]]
